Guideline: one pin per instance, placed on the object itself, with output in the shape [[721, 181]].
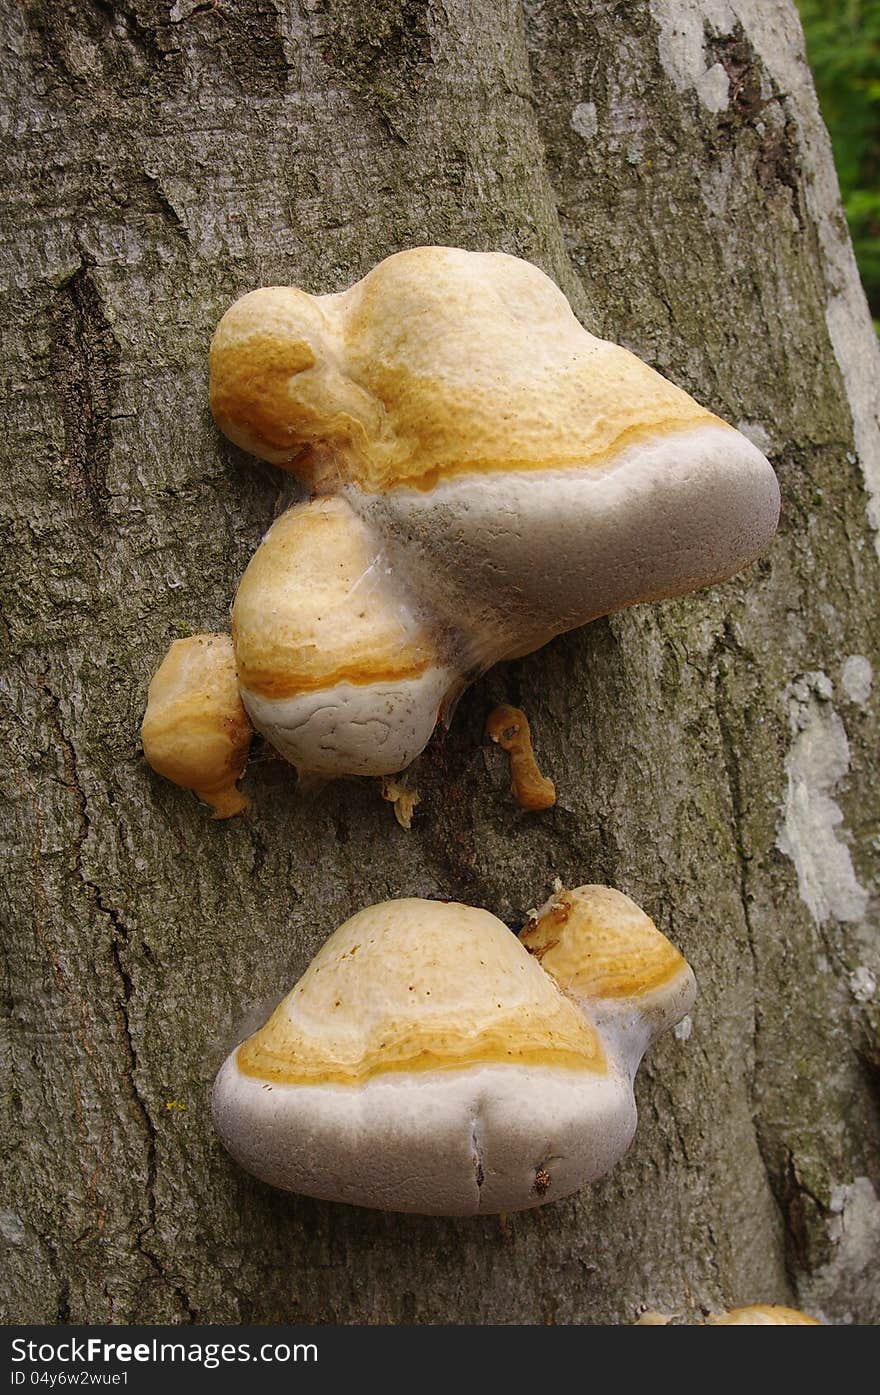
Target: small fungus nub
[[509, 728]]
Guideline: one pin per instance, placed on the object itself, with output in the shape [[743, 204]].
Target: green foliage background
[[843, 46]]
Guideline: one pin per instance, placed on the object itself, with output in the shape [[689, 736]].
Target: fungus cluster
[[430, 1061], [482, 474]]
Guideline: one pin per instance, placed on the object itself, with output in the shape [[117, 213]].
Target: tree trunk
[[715, 757]]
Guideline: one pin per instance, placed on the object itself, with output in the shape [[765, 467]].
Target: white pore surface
[[451, 1143], [353, 729], [628, 1026], [513, 558]]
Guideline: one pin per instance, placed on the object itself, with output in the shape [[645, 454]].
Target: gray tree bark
[[715, 757]]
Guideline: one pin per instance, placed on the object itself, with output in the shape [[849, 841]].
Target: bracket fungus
[[483, 474], [195, 731], [759, 1315], [429, 1061]]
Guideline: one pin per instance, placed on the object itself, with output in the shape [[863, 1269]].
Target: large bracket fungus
[[483, 475], [429, 1061]]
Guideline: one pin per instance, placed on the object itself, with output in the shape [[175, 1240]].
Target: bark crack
[[164, 207], [737, 803], [84, 367], [120, 939], [62, 1309]]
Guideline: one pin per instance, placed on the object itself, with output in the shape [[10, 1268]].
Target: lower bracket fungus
[[430, 1061]]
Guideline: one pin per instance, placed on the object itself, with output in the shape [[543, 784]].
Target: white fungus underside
[[510, 559], [458, 1142], [353, 729]]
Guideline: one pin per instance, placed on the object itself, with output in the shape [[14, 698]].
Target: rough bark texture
[[715, 757]]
